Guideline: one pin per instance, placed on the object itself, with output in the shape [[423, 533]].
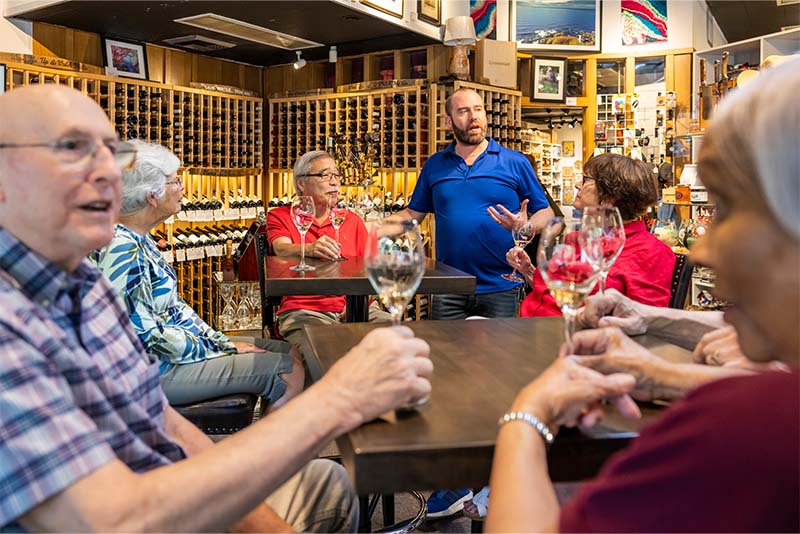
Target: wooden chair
[[268, 304], [681, 278]]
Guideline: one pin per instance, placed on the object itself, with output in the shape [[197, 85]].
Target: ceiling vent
[[247, 31], [199, 43]]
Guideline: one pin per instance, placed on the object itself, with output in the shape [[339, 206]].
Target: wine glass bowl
[[604, 238], [302, 211], [522, 234], [395, 263], [567, 267], [337, 216]]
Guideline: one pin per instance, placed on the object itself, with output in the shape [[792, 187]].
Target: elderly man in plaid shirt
[[87, 439]]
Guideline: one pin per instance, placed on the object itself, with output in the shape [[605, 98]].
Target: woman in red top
[[643, 270]]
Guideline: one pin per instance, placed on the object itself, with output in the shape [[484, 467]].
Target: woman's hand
[[519, 259]]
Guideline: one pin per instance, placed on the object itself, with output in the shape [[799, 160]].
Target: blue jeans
[[453, 307]]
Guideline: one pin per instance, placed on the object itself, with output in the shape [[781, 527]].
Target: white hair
[[147, 176], [303, 166], [756, 133]]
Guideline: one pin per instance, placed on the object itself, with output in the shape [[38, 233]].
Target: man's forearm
[[684, 328], [676, 380], [540, 218]]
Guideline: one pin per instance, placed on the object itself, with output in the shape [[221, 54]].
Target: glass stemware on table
[[338, 214], [303, 216], [604, 226], [227, 319], [566, 267], [522, 233]]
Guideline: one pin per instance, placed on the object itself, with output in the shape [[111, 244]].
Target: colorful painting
[[484, 15], [644, 21], [568, 149], [557, 24], [126, 59]]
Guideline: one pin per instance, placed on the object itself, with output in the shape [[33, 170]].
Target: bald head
[[34, 112]]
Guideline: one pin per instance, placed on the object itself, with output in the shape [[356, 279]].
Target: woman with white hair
[[725, 458], [197, 362]]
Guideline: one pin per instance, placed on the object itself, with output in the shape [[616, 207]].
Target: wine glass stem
[[337, 236], [397, 314], [302, 249], [569, 326], [602, 282]]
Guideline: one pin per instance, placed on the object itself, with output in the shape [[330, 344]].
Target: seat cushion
[[223, 415]]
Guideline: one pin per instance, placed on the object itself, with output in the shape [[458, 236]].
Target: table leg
[[357, 309], [364, 519], [387, 501]]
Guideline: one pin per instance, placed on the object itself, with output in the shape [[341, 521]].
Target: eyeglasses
[[81, 151], [178, 182], [326, 176], [587, 178]]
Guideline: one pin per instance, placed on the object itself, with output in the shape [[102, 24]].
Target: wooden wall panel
[[155, 63], [55, 41], [683, 92]]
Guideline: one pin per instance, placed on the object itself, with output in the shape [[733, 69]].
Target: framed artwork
[[568, 149], [2, 78], [568, 25], [392, 7], [549, 75], [430, 11], [644, 21], [128, 59], [484, 15]]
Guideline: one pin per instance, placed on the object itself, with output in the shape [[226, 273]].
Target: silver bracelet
[[532, 420]]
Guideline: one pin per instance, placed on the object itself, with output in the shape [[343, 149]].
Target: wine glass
[[395, 262], [303, 217], [227, 319], [566, 268], [606, 233], [338, 213], [522, 234]]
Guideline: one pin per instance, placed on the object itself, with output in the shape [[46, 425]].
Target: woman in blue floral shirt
[[197, 362]]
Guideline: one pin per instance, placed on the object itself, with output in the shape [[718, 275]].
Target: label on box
[[699, 195]]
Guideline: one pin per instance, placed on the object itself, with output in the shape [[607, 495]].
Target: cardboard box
[[496, 63]]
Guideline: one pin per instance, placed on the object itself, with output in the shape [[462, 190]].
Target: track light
[[332, 55], [300, 63]]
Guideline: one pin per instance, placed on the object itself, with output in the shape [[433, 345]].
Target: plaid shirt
[[77, 390]]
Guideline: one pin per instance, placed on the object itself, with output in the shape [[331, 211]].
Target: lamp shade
[[459, 31]]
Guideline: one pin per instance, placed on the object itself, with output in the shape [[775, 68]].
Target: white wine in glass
[[338, 214], [303, 217], [522, 234], [605, 238], [566, 268], [395, 262]]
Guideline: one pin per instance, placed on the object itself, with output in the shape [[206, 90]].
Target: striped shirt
[[77, 389], [166, 325]]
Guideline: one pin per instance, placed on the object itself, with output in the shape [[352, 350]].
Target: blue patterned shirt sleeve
[[166, 325], [46, 442]]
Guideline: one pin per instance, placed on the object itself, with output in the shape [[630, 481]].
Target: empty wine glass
[[522, 234], [604, 229], [338, 214], [395, 262], [566, 268], [243, 316], [303, 217], [227, 319], [254, 301]]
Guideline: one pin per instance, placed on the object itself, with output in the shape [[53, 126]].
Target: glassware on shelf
[[227, 319]]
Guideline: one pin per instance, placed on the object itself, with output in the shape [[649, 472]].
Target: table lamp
[[459, 32]]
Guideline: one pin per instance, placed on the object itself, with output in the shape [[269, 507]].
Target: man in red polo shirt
[[316, 175]]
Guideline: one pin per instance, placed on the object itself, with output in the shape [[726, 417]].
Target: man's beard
[[467, 138]]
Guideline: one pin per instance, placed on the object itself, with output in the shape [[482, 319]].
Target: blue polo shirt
[[466, 236]]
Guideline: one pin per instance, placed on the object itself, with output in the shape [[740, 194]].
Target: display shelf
[[636, 124], [548, 166]]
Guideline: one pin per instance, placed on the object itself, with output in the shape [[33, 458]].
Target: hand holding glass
[[604, 228], [566, 268], [303, 217], [338, 214], [522, 234]]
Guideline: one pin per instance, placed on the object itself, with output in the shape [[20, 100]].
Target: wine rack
[[503, 113]]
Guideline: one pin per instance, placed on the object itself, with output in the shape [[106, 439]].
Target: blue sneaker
[[444, 503]]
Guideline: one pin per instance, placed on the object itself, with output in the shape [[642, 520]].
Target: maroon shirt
[[725, 459], [642, 272]]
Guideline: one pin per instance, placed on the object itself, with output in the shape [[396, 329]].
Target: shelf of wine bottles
[[396, 118], [203, 128], [503, 113]]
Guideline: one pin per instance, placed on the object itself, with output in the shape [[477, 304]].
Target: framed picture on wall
[[568, 149], [568, 25], [128, 59], [392, 7], [548, 81], [430, 11], [2, 78]]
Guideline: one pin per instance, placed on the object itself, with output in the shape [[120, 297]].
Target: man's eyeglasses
[[83, 150], [325, 176]]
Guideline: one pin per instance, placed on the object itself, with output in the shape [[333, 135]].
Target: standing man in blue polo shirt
[[471, 186]]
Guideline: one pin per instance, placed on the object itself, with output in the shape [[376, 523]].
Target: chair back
[[681, 278], [268, 304]]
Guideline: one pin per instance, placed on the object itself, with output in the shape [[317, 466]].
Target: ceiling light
[[571, 123], [300, 63], [332, 55]]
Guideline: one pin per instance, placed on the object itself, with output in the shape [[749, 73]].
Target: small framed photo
[[430, 11], [549, 77], [127, 59], [392, 7], [568, 149]]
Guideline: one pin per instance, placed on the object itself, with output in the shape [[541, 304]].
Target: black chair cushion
[[223, 415]]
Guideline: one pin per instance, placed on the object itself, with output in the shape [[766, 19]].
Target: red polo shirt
[[642, 272], [352, 236]]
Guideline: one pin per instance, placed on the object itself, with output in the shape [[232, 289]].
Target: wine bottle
[[228, 263]]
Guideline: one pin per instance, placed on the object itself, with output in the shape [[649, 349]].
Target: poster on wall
[[484, 15], [563, 25], [643, 22]]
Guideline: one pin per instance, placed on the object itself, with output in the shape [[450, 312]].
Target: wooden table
[[349, 278], [479, 366]]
